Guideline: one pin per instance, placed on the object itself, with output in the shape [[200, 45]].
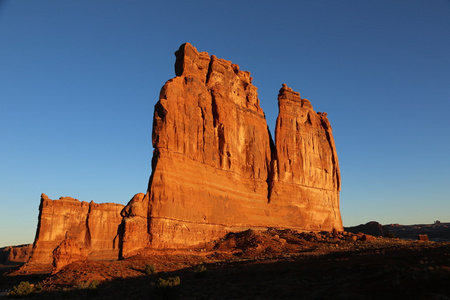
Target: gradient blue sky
[[79, 79]]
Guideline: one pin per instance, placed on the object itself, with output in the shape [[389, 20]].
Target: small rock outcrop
[[13, 255], [67, 252], [216, 169], [69, 222]]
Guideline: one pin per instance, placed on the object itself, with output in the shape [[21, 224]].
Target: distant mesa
[[215, 169], [373, 228]]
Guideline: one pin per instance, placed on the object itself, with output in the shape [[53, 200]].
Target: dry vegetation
[[259, 265]]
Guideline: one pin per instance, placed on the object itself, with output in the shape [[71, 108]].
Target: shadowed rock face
[[372, 228], [67, 221], [216, 169]]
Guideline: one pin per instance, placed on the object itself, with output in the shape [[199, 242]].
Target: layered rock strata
[[69, 222], [216, 169], [12, 255]]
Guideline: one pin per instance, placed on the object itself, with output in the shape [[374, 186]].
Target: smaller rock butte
[[68, 223], [13, 255], [215, 169]]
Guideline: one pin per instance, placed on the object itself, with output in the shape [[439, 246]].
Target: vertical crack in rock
[[270, 165], [208, 74], [329, 136], [87, 239]]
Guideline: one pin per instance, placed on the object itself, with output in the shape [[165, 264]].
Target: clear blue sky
[[79, 79]]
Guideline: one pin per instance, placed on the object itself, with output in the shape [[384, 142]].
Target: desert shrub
[[84, 285], [168, 288], [150, 269], [169, 282], [22, 289], [200, 271], [91, 285], [390, 235], [39, 287]]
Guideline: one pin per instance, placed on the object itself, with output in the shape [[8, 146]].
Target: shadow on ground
[[388, 272]]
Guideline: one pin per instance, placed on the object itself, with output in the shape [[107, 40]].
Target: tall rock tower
[[306, 173], [216, 169]]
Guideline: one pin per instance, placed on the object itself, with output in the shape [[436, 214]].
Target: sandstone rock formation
[[306, 179], [13, 255], [67, 252], [216, 169], [68, 222]]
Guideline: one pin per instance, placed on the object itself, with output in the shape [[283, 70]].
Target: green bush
[[93, 285], [90, 285], [39, 287], [168, 288], [200, 271], [150, 270], [168, 283], [22, 289]]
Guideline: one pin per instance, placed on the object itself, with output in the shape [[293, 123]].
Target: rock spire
[[216, 169]]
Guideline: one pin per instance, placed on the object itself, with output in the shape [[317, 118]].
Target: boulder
[[423, 237], [367, 237], [68, 252]]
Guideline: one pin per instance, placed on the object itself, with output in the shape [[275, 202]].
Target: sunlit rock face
[[12, 255], [306, 177], [67, 221], [216, 169]]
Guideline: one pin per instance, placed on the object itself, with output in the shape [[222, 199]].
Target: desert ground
[[274, 264]]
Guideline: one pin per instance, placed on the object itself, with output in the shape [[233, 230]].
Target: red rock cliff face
[[90, 226], [215, 168], [306, 177], [15, 254]]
